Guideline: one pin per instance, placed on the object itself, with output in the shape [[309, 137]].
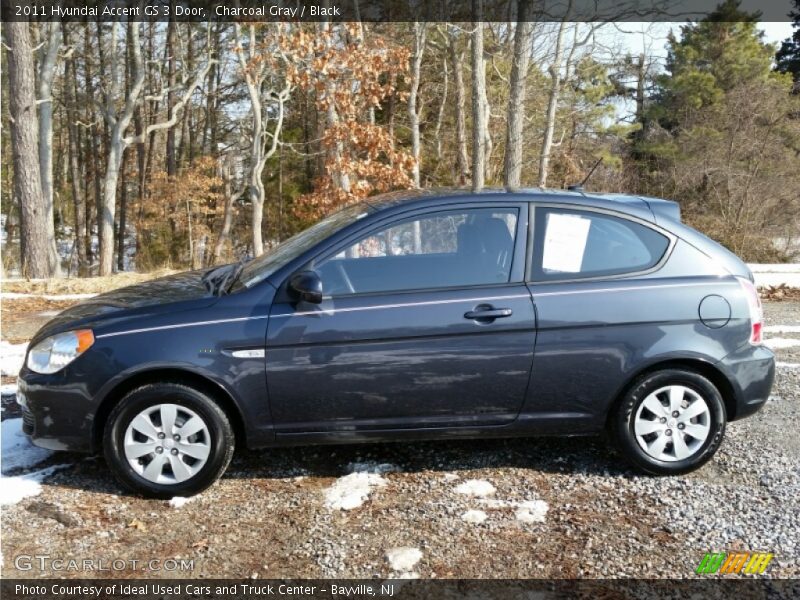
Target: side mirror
[[307, 286]]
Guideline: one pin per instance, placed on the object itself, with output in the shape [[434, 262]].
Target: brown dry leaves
[[349, 76]]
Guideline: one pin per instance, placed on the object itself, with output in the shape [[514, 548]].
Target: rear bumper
[[751, 372]]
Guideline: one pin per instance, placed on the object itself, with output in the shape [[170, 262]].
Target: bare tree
[[233, 190], [36, 259], [560, 67], [479, 120], [264, 143], [46, 72], [119, 121], [462, 158], [172, 165], [437, 132], [552, 104], [70, 87], [413, 116], [516, 99]]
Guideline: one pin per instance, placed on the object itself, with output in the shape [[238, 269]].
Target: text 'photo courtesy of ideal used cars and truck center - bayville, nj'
[[400, 299]]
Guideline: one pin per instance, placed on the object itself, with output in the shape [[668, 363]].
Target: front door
[[425, 322]]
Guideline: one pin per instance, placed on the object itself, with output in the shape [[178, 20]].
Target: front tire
[[669, 422], [168, 439]]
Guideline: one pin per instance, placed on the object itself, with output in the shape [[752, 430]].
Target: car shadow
[[548, 455], [579, 455]]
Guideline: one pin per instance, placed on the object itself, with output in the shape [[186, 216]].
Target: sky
[[776, 32], [639, 36]]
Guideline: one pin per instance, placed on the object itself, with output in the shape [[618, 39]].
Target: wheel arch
[[707, 369], [169, 375]]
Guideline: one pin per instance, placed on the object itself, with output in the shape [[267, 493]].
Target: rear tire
[[168, 439], [669, 422]]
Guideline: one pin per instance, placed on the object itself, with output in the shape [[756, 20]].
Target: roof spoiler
[[664, 208]]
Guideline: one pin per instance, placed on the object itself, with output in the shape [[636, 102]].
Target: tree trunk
[[106, 217], [259, 153], [92, 156], [552, 105], [123, 221], [478, 96], [78, 197], [227, 219], [442, 107], [172, 167], [516, 100], [462, 158], [47, 67], [27, 176], [190, 235], [641, 118], [413, 115]]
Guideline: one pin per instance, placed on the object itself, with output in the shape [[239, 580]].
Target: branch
[[140, 139]]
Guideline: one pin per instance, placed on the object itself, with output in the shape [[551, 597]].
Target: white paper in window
[[565, 243]]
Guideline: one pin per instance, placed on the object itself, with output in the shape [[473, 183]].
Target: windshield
[[265, 265]]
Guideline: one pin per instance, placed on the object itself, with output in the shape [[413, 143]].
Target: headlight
[[57, 351]]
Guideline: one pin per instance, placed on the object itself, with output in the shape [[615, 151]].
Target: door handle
[[488, 313]]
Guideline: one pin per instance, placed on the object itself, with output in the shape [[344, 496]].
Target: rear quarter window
[[575, 244]]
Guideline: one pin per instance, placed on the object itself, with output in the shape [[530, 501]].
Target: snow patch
[[19, 296], [533, 511], [774, 267], [403, 559], [12, 356], [351, 491], [787, 365], [179, 501], [782, 329], [478, 488], [777, 274], [8, 389], [17, 450], [474, 516], [777, 343], [15, 489], [372, 467]]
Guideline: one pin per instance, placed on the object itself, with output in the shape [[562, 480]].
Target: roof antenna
[[579, 187]]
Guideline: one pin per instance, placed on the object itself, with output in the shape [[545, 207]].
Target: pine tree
[[788, 55], [711, 58]]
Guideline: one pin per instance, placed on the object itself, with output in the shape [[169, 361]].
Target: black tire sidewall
[[222, 438], [622, 428]]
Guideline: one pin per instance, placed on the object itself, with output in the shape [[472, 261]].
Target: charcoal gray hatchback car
[[432, 314]]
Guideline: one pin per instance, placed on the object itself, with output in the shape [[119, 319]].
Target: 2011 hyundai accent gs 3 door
[[415, 315]]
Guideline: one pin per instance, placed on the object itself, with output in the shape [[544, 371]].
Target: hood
[[181, 287], [172, 288]]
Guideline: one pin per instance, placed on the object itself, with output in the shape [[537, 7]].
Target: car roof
[[644, 207]]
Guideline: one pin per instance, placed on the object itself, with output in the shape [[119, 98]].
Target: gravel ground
[[501, 508]]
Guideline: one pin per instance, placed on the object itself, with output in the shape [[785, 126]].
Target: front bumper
[[751, 372], [55, 414]]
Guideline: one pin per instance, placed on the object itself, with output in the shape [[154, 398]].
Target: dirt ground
[[502, 508]]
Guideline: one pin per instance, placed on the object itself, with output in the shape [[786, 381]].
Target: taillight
[[756, 311]]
